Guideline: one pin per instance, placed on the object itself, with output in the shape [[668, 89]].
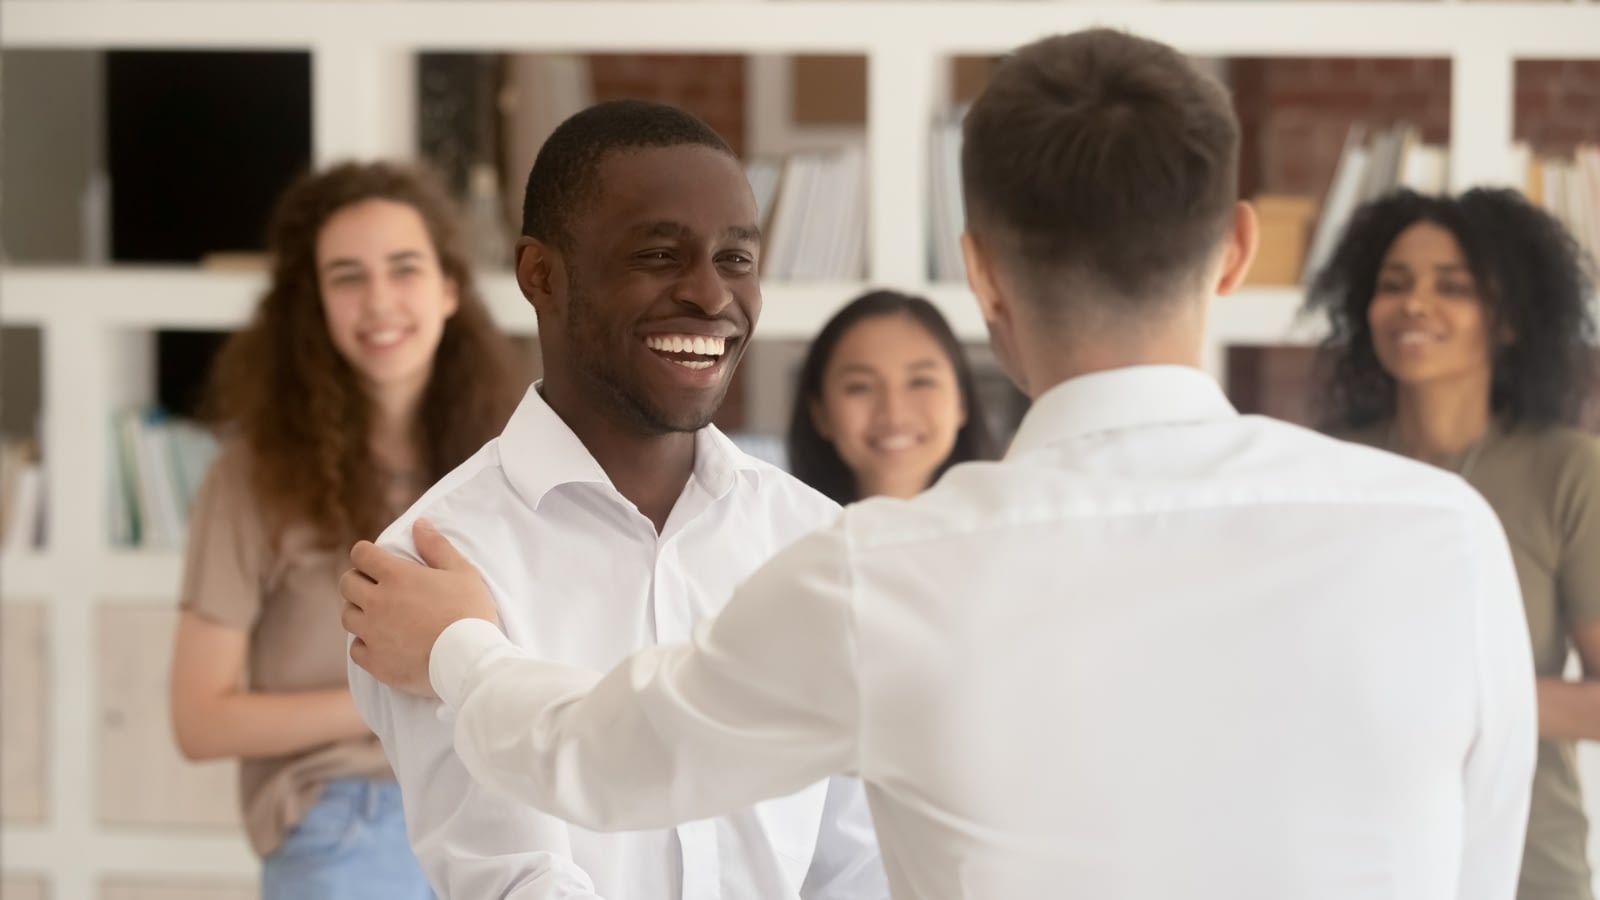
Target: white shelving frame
[[361, 51]]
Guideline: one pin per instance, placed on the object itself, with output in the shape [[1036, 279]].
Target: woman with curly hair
[[885, 402], [1461, 336], [371, 368]]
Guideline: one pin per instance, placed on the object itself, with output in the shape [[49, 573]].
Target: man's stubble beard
[[626, 398]]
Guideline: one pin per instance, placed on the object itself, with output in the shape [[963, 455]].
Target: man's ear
[[997, 307], [539, 269], [1240, 251], [981, 278]]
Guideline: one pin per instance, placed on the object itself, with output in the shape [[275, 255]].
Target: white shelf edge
[[26, 575], [1240, 28], [116, 852], [177, 297], [1265, 315], [134, 575], [191, 298]]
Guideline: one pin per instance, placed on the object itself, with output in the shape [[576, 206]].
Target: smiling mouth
[[1416, 339], [383, 339], [691, 351], [896, 442]]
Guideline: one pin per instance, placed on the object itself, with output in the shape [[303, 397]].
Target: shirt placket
[[674, 621]]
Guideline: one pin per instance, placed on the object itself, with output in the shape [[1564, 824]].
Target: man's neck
[[650, 470], [1091, 353], [1050, 352]]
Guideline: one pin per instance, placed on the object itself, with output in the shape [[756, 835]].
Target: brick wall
[[711, 87], [1295, 112], [1558, 103]]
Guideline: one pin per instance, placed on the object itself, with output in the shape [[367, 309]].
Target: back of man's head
[[566, 172], [1100, 168]]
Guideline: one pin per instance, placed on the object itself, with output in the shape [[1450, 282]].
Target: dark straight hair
[[813, 458]]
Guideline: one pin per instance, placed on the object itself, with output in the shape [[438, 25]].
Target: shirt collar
[[539, 453], [1131, 397]]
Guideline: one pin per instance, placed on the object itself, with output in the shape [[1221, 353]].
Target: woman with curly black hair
[[1461, 336]]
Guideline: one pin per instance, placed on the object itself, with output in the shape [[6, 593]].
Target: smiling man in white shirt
[[610, 516], [1160, 650]]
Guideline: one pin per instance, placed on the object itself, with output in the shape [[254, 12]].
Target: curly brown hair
[[281, 387], [1535, 279]]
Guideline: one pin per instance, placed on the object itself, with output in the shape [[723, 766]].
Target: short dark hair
[[564, 174], [1531, 277], [813, 458], [1098, 162]]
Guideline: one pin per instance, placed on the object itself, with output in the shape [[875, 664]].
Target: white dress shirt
[[581, 577], [1161, 650]]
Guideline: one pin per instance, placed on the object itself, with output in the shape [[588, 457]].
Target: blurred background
[[142, 143]]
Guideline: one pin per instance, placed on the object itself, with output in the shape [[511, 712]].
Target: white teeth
[[687, 343], [385, 338], [1415, 337], [897, 442], [695, 364]]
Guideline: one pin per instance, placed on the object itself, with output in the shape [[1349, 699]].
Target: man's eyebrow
[[664, 228], [667, 228]]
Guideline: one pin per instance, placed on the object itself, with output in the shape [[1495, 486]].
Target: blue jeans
[[350, 846]]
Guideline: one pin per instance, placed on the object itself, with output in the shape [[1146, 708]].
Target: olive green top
[[1544, 484]]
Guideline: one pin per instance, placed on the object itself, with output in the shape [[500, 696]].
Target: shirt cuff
[[456, 655]]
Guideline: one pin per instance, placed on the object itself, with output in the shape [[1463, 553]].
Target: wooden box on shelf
[[1284, 222]]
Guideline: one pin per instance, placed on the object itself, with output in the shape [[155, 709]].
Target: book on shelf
[[158, 462], [21, 496], [813, 214], [1567, 187], [946, 209], [1280, 254], [1369, 166], [764, 175]]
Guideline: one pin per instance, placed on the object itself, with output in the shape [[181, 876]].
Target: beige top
[[1544, 484], [289, 602]]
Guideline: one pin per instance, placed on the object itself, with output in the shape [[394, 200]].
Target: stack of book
[[21, 496], [1569, 189], [946, 210], [158, 463], [1369, 167], [813, 208]]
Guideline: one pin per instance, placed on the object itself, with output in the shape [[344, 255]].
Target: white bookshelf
[[360, 109], [25, 575]]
